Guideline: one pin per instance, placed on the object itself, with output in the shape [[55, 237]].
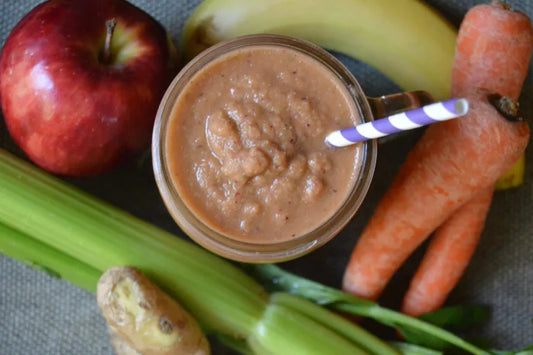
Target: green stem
[[393, 318], [286, 331], [347, 329], [338, 300], [410, 349]]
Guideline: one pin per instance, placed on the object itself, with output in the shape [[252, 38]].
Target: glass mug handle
[[390, 104]]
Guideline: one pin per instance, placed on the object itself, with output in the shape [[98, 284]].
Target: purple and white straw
[[439, 111]]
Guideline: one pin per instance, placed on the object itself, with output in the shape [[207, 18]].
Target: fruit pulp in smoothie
[[245, 144]]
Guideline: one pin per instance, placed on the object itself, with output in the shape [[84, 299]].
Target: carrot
[[493, 51], [447, 256], [452, 162]]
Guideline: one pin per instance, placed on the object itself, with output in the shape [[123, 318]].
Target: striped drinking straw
[[439, 111]]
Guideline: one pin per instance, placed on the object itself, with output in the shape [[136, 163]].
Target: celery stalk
[[44, 220], [295, 334], [43, 257], [222, 297], [340, 301], [24, 248], [351, 331]]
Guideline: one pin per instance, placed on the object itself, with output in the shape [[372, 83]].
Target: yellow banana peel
[[514, 177]]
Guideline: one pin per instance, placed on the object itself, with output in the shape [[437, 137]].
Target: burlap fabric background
[[43, 315]]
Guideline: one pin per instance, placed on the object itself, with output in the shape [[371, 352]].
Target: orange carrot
[[494, 47], [451, 163], [493, 51], [447, 256]]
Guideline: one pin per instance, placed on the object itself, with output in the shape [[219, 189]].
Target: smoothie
[[245, 144]]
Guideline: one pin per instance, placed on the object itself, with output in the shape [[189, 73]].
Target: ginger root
[[145, 318]]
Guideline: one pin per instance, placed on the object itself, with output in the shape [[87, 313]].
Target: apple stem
[[110, 26]]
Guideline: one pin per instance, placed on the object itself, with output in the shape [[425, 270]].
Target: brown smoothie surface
[[245, 144]]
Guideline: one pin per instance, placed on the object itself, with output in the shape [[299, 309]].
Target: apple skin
[[71, 113]]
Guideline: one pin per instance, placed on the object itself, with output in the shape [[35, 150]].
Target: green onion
[[74, 235]]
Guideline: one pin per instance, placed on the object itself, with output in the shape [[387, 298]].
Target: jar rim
[[240, 250]]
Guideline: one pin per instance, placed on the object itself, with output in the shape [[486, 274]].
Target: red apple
[[75, 105]]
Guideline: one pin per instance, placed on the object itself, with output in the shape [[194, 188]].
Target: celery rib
[[223, 298], [287, 331], [118, 219], [351, 331]]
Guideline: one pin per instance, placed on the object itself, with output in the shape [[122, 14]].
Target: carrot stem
[[509, 108]]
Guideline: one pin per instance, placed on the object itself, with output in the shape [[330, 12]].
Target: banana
[[404, 39], [514, 177]]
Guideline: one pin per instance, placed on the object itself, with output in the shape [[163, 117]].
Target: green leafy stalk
[[458, 317], [278, 279], [396, 319], [451, 318], [338, 300], [414, 336]]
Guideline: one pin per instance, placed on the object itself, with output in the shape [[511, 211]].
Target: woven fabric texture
[[43, 315]]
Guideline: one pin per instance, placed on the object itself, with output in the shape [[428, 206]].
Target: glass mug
[[210, 238]]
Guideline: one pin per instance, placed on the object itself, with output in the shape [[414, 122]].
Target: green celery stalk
[[284, 281], [361, 337], [223, 298], [62, 228], [281, 326], [45, 258]]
